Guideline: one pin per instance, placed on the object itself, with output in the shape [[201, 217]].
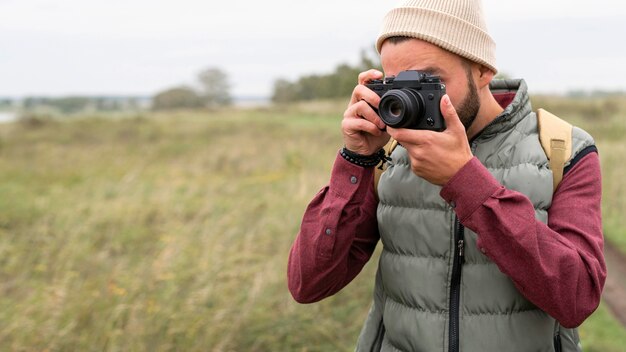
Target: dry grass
[[171, 232]]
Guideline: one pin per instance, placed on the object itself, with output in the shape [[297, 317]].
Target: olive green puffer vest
[[427, 298]]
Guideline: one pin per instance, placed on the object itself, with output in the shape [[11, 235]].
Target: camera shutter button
[[431, 96]]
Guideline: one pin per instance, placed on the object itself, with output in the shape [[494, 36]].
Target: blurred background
[[156, 158]]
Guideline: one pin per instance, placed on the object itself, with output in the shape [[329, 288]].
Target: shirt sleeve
[[560, 266], [338, 234]]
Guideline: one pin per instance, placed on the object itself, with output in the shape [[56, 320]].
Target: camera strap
[[378, 171]]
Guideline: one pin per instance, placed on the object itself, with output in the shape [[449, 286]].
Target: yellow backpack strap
[[555, 136], [378, 171]]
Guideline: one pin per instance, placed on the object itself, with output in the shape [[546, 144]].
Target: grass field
[[170, 232]]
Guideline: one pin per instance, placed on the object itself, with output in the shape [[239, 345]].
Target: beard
[[468, 109]]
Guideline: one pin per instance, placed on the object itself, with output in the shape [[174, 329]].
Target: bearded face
[[468, 109]]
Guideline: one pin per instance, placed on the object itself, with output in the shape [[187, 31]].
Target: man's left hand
[[436, 156]]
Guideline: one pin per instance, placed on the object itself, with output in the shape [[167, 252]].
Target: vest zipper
[[455, 286], [557, 342]]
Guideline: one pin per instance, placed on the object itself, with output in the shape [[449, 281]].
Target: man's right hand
[[363, 131]]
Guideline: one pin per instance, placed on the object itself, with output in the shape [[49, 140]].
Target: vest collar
[[516, 111]]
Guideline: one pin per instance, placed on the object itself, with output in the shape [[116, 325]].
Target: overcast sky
[[61, 47]]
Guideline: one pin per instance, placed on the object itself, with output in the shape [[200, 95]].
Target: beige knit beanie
[[454, 25]]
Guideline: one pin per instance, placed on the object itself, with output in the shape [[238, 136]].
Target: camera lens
[[395, 108], [401, 107]]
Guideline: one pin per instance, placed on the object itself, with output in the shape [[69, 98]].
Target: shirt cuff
[[469, 188], [349, 181]]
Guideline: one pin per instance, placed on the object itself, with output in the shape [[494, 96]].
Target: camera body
[[410, 100]]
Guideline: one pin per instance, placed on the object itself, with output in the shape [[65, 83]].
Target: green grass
[[171, 232], [601, 333]]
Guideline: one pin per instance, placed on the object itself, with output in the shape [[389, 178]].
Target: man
[[479, 253]]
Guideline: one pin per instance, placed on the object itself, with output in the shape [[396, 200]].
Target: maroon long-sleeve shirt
[[559, 266]]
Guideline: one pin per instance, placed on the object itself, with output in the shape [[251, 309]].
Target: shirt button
[[482, 249], [328, 232], [353, 180]]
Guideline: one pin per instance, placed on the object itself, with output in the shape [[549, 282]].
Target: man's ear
[[485, 75]]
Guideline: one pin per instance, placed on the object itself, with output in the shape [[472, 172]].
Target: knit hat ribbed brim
[[457, 26]]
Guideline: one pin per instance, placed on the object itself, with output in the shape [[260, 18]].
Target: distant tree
[[345, 78], [313, 87], [69, 105], [182, 97], [338, 84], [5, 102], [284, 91], [33, 102], [367, 61], [107, 104], [215, 87]]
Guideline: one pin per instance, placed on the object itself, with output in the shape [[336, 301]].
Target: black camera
[[410, 100]]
